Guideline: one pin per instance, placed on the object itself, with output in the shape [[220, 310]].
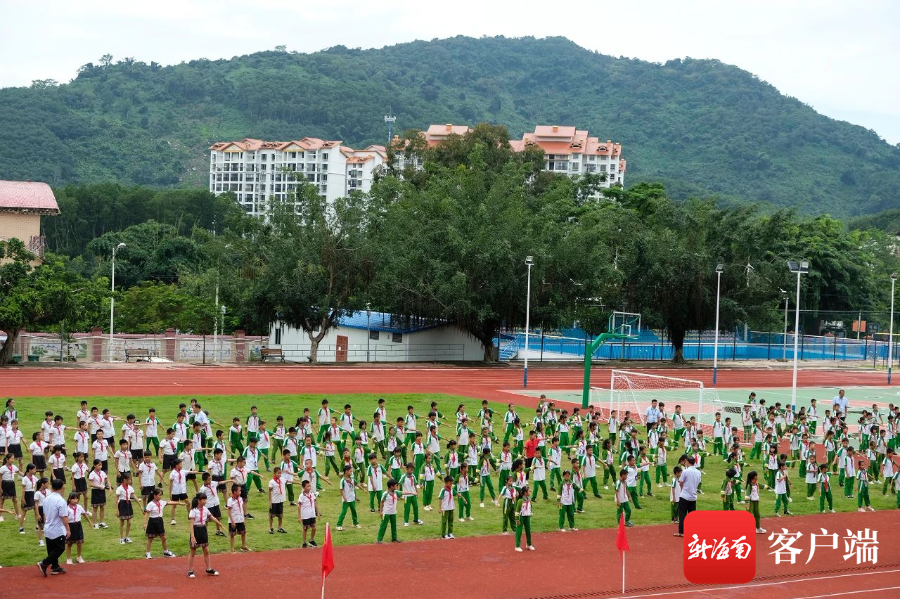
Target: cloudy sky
[[839, 57]]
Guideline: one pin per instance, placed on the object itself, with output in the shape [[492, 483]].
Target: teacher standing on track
[[56, 529], [687, 501]]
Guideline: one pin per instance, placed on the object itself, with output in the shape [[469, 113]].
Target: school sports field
[[571, 564]]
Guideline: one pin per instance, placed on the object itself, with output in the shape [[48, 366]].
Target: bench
[[265, 353], [137, 353]]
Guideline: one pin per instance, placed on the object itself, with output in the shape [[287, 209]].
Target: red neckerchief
[[178, 474]]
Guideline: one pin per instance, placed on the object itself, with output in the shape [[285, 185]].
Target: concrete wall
[[429, 345]]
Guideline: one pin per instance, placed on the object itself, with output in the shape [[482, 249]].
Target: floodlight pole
[[891, 330], [529, 260], [112, 301], [784, 337], [798, 267], [719, 269]]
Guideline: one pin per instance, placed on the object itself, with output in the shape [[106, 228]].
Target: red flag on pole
[[621, 538], [327, 557], [622, 546]]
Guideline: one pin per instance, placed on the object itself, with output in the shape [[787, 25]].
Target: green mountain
[[699, 126]]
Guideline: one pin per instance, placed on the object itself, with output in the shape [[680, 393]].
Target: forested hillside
[[699, 126]]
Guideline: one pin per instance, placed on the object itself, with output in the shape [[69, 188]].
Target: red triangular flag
[[621, 538], [327, 554]]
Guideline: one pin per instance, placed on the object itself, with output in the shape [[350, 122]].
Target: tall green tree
[[312, 263]]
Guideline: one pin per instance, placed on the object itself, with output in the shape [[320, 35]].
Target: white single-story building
[[380, 337]]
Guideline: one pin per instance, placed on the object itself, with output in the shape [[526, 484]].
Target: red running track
[[582, 564], [476, 382]]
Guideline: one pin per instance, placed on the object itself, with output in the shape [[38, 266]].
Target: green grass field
[[104, 544]]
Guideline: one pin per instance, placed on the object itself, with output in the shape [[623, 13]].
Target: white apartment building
[[257, 170], [571, 151], [567, 150]]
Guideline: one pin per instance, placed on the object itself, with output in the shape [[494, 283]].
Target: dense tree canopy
[[448, 243]]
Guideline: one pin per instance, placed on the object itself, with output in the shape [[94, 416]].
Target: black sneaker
[[271, 531], [249, 516], [220, 533], [313, 543], [281, 530], [43, 569], [58, 571], [212, 572], [304, 545]]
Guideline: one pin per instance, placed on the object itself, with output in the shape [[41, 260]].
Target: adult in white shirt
[[841, 402], [56, 528], [651, 415], [687, 499]]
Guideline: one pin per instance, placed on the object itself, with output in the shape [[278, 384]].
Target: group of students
[[400, 462]]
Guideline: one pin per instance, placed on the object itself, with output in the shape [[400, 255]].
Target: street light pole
[[529, 260], [112, 301], [891, 330], [368, 330], [784, 337], [719, 268], [799, 268]]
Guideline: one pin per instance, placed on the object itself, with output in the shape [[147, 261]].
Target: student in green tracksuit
[[823, 479], [554, 462], [486, 463], [728, 489], [447, 502], [323, 417], [753, 499], [236, 437], [509, 419], [465, 500], [862, 489], [756, 452], [674, 493], [409, 490], [849, 469], [348, 499], [887, 469], [609, 468], [622, 504], [375, 476], [289, 468], [523, 519], [429, 474], [588, 465], [781, 482], [388, 509], [631, 481], [508, 503], [567, 497]]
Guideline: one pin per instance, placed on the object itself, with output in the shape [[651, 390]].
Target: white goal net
[[633, 392]]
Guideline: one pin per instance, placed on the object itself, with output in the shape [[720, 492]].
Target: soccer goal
[[633, 391]]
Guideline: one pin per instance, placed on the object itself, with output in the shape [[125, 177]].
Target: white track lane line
[[854, 593], [739, 587]]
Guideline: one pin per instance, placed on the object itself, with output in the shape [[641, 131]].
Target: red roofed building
[[22, 203], [567, 150]]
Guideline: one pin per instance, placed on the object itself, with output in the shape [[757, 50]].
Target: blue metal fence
[[761, 346]]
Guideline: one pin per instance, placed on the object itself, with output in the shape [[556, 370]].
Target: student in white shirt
[[8, 481], [307, 511], [236, 508], [76, 531], [153, 522], [198, 517], [99, 483], [276, 500], [388, 510], [101, 451], [124, 511]]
